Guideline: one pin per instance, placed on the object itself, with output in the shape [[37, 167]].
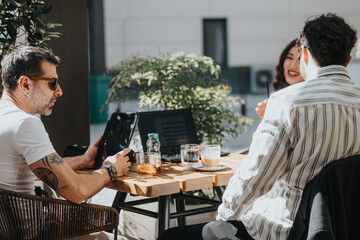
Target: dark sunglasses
[[53, 82]]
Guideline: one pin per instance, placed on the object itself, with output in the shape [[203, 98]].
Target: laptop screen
[[117, 136], [175, 127]]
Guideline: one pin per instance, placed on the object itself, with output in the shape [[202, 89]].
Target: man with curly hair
[[305, 126]]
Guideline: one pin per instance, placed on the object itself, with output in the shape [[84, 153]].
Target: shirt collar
[[333, 70]]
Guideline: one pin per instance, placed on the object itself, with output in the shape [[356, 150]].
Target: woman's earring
[[26, 95]]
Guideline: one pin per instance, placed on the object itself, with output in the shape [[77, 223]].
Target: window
[[215, 41]]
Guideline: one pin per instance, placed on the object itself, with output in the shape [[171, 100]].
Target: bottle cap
[[153, 135]]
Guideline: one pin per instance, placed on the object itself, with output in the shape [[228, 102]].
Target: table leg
[[220, 191], [119, 199], [115, 233], [180, 207], [164, 213]]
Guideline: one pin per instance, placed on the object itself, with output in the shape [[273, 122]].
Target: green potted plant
[[176, 81], [23, 22]]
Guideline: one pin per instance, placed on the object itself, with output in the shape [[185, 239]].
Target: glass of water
[[190, 155]]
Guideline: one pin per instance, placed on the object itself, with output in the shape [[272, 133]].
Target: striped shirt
[[305, 126]]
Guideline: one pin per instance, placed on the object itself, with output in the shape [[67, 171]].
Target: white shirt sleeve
[[265, 162], [32, 140]]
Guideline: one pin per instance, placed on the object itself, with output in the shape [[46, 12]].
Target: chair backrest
[[24, 216], [330, 207]]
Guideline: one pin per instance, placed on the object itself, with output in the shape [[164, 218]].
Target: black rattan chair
[[25, 216]]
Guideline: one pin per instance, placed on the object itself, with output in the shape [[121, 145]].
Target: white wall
[[257, 30]]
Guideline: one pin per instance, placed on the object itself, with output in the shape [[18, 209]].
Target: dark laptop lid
[[117, 136], [175, 127]]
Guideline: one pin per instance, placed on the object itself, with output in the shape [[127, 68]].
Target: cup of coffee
[[210, 155], [190, 154], [146, 164]]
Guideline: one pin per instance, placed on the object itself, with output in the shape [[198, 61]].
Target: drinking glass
[[189, 155], [210, 155], [146, 163]]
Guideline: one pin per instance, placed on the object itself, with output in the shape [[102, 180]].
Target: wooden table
[[171, 182]]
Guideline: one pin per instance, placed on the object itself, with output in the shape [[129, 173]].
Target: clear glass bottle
[[153, 145]]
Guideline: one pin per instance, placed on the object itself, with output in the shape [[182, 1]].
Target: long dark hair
[[280, 81]]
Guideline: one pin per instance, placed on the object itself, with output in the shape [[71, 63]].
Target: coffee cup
[[210, 155]]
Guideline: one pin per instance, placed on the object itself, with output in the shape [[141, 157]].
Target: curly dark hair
[[329, 39], [24, 61], [280, 81]]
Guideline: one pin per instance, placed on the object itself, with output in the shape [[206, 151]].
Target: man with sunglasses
[[31, 87]]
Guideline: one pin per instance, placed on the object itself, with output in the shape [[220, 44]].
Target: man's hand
[[120, 162], [90, 154], [86, 160]]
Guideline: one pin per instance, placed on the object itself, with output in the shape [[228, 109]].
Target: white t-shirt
[[23, 141]]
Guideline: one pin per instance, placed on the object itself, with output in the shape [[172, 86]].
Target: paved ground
[[144, 227]]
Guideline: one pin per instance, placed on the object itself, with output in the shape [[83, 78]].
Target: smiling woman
[[288, 68], [292, 67], [287, 73]]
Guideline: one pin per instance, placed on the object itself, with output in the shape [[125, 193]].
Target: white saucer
[[211, 169]]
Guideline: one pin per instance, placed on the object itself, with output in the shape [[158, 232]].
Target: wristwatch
[[112, 171]]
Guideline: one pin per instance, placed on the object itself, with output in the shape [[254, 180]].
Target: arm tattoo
[[47, 176], [55, 158], [52, 158], [45, 161]]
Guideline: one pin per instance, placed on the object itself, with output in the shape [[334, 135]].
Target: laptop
[[175, 127], [117, 136]]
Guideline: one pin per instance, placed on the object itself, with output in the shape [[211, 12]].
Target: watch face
[[112, 171]]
